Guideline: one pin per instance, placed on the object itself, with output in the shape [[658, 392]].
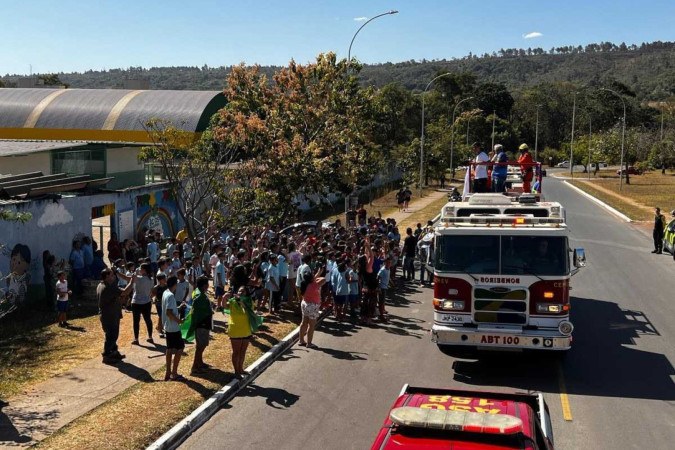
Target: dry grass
[[145, 411], [33, 348], [427, 213], [637, 199]]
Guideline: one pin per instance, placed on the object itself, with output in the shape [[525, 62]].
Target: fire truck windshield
[[502, 255]]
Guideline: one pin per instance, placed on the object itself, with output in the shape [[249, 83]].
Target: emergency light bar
[[477, 219], [471, 422]]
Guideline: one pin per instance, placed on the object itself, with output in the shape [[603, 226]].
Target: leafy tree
[[195, 170], [308, 132]]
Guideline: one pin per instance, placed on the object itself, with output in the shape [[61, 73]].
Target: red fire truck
[[502, 273], [464, 420]]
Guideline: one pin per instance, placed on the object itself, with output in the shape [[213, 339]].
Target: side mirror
[[579, 258]]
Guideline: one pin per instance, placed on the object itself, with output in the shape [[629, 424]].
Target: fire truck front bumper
[[540, 339]]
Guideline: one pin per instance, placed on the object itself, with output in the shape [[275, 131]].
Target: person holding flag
[[198, 324]]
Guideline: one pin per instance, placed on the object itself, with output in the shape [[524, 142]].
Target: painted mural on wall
[[14, 286], [157, 211]]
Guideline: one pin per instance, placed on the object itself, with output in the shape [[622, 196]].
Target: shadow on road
[[274, 397], [602, 361]]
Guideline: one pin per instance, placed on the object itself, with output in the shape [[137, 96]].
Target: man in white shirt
[[480, 170]]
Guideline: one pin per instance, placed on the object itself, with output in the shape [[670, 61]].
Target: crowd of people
[[251, 273]]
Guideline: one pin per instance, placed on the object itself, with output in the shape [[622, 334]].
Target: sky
[[78, 35]]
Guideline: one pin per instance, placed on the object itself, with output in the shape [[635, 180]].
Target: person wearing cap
[[480, 180], [499, 170], [525, 160]]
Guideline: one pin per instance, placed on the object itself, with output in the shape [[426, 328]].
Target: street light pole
[[349, 65], [452, 134], [590, 135], [494, 116], [349, 52], [422, 135], [623, 135], [536, 137], [574, 111]]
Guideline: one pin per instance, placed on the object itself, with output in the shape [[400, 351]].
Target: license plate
[[451, 318], [491, 339]]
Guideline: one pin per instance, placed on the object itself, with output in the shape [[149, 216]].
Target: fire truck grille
[[500, 305]]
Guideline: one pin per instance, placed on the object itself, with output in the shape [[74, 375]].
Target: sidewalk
[[54, 403], [50, 405], [417, 204]]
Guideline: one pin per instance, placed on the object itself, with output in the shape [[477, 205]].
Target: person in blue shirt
[[76, 260], [383, 282], [88, 253], [153, 253], [499, 170], [272, 284], [340, 282], [282, 265]]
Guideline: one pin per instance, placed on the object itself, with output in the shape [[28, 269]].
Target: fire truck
[[433, 418], [501, 266]]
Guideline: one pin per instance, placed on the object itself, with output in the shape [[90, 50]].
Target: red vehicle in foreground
[[430, 418]]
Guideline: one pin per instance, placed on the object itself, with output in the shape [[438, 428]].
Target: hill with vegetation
[[647, 69]]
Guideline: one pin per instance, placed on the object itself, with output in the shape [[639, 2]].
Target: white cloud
[[532, 35], [360, 19], [55, 214]]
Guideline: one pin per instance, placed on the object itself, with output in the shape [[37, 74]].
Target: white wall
[[29, 163], [123, 159]]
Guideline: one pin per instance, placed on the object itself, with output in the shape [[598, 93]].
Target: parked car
[[631, 171], [564, 164]]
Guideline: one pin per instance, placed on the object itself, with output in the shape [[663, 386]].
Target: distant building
[[97, 132]]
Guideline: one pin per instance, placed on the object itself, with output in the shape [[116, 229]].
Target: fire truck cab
[[501, 273]]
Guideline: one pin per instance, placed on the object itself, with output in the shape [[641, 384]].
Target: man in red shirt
[[526, 168]]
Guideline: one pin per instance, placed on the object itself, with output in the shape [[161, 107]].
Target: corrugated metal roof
[[112, 110], [17, 148]]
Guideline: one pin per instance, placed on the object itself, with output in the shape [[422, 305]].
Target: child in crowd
[[62, 293]]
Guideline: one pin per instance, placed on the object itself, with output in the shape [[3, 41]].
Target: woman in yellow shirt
[[239, 329]]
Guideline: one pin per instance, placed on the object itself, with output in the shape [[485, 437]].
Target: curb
[[183, 429], [617, 213]]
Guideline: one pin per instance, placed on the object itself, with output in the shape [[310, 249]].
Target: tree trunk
[[626, 170]]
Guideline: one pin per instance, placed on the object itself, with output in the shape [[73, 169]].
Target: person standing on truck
[[480, 180], [525, 160], [659, 226], [499, 169]]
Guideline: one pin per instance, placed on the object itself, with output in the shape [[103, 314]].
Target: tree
[[195, 171], [308, 132]]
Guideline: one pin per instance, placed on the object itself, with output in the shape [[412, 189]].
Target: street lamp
[[349, 52], [422, 136], [349, 61], [574, 110], [452, 134], [536, 137], [623, 134]]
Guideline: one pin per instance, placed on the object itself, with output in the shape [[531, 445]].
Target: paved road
[[618, 376]]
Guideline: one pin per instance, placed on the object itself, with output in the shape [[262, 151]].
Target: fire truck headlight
[[565, 327], [544, 308], [453, 305]]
